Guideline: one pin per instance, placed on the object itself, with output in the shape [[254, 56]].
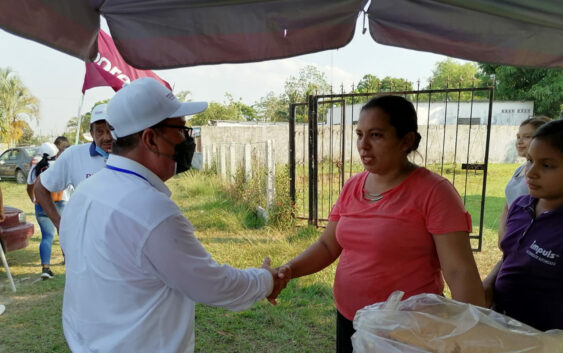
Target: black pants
[[344, 332]]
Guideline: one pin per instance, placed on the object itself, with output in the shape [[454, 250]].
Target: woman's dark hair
[[402, 115], [551, 133], [536, 121], [42, 165]]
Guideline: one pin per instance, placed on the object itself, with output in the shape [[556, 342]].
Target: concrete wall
[[217, 137], [501, 149]]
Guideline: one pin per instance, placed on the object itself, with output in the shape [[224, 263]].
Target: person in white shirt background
[[48, 153], [134, 267], [62, 144], [517, 185], [76, 164]]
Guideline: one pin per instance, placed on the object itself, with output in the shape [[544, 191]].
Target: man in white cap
[[76, 164], [134, 268]]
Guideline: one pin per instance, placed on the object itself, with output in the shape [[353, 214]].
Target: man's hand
[[281, 276]]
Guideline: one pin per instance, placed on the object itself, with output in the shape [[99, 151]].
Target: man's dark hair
[[61, 139], [97, 122], [125, 144]]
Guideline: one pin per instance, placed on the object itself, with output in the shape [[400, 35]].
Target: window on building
[[469, 121]]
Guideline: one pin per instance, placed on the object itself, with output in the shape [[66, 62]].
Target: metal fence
[[455, 144]]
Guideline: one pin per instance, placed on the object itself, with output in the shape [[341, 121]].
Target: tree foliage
[[28, 137], [183, 96], [372, 84], [543, 86], [230, 110], [369, 83], [17, 106], [272, 108], [452, 74], [309, 81], [71, 125], [395, 84]]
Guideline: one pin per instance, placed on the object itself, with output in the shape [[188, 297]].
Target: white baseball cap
[[144, 103], [99, 113]]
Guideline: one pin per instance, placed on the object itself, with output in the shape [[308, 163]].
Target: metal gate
[[455, 144]]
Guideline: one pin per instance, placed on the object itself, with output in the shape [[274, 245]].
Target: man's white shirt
[[134, 268], [72, 167]]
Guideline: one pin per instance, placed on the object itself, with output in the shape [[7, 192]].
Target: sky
[[56, 78]]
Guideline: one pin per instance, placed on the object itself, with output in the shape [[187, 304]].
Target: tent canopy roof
[[159, 34]]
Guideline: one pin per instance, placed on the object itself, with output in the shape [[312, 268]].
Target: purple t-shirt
[[529, 286]]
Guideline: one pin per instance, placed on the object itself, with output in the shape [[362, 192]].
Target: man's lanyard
[[127, 172]]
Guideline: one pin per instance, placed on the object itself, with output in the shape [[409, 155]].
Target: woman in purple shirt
[[527, 284], [517, 186]]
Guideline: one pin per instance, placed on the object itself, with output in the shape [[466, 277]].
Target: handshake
[[281, 276]]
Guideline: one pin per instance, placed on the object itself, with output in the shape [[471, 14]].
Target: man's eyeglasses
[[187, 131]]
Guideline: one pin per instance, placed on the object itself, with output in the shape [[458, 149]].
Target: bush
[[251, 193], [282, 213]]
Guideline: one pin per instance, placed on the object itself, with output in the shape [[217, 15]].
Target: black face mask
[[183, 154], [183, 151]]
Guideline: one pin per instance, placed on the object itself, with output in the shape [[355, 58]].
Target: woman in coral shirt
[[395, 226]]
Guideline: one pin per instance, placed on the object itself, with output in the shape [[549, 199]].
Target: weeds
[[303, 321], [250, 192], [281, 214]]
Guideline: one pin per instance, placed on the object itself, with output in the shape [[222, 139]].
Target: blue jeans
[[47, 231]]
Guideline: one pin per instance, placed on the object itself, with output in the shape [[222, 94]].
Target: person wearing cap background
[[48, 152], [62, 144], [134, 268], [76, 164]]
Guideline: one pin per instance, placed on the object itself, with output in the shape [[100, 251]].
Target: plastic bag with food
[[429, 323]]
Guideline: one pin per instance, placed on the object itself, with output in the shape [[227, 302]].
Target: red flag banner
[[109, 68]]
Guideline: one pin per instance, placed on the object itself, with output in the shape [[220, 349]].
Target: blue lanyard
[[127, 172]]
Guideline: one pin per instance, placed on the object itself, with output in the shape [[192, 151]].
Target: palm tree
[[17, 105], [71, 127]]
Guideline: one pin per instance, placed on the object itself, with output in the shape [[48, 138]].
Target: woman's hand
[[316, 257], [281, 276], [489, 284]]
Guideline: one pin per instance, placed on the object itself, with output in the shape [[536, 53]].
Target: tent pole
[[5, 263]]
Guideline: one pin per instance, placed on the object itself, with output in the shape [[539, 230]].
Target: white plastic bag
[[428, 323]]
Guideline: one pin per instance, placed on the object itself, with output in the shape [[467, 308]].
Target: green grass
[[303, 321]]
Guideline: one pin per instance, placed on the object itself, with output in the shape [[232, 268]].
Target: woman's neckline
[[382, 196]]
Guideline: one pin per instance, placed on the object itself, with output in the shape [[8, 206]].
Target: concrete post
[[223, 159], [213, 157], [247, 162], [270, 173], [233, 162]]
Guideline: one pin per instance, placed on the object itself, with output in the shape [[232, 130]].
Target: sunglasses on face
[[186, 131]]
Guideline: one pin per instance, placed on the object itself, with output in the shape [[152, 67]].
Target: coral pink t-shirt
[[388, 245]]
